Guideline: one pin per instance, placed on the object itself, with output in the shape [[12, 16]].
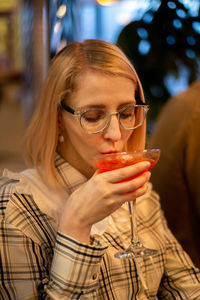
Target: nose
[[113, 131]]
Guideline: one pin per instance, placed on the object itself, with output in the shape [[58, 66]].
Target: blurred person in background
[[177, 176], [61, 222]]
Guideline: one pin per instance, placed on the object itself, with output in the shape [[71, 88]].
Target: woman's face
[[95, 90]]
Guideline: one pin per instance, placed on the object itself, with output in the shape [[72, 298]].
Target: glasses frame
[[79, 114]]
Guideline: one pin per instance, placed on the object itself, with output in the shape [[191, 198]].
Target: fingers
[[126, 172], [115, 194], [134, 184], [112, 184], [128, 197], [136, 193]]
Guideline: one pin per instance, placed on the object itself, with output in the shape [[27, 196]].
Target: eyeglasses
[[96, 120]]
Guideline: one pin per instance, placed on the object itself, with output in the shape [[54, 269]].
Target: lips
[[108, 152]]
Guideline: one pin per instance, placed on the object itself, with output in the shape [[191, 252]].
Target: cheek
[[77, 136], [70, 126], [126, 135], [90, 142]]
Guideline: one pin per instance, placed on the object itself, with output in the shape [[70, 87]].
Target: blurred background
[[161, 38]]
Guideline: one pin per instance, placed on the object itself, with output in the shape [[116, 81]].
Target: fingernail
[[147, 164], [149, 175]]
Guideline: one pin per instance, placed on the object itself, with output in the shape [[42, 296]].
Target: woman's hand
[[99, 197]]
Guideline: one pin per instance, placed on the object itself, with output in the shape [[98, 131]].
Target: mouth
[[108, 152]]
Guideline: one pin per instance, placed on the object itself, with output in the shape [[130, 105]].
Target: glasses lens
[[93, 120], [132, 116]]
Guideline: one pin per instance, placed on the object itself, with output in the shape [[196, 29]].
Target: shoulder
[[9, 195], [7, 186], [20, 211], [187, 103]]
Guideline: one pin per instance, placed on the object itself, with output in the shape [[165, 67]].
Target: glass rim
[[123, 153]]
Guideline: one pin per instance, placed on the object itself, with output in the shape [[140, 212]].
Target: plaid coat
[[38, 262]]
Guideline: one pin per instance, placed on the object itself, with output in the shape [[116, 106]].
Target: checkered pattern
[[37, 262]]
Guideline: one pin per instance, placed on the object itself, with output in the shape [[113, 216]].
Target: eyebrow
[[101, 106]]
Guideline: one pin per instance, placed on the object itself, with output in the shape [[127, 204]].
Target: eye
[[129, 112], [92, 116]]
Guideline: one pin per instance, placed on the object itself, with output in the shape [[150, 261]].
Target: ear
[[60, 119]]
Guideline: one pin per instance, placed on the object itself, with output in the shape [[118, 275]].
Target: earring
[[61, 138]]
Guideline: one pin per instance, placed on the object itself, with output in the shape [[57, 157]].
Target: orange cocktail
[[109, 162]]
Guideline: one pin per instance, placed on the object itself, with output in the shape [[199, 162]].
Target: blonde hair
[[67, 66]]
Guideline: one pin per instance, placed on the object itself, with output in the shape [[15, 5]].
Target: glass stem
[[132, 215]]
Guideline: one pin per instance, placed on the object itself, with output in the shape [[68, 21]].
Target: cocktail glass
[[114, 161]]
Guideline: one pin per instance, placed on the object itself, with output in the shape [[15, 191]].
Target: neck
[[73, 158]]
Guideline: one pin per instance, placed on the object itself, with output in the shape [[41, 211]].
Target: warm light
[[7, 5], [106, 2], [123, 18], [61, 11], [128, 11], [57, 26]]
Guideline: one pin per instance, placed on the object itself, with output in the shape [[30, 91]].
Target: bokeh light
[[177, 23], [181, 13], [142, 32], [171, 4], [106, 2], [144, 47], [170, 40], [61, 11]]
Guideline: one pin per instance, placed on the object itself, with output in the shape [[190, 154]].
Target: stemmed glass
[[113, 161]]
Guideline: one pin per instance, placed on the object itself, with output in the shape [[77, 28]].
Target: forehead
[[96, 88]]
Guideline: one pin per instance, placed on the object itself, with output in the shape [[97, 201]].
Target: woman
[[61, 222]]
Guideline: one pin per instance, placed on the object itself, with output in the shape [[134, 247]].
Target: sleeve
[[75, 269], [181, 280], [38, 263], [22, 266], [26, 271]]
